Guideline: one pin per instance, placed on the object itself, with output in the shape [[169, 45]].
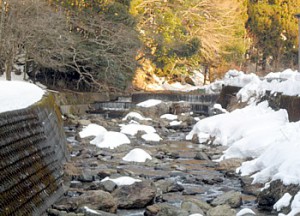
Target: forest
[[100, 45]]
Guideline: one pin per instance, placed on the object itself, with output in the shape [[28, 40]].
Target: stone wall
[[32, 152]]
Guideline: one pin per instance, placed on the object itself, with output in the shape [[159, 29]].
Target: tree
[[274, 29], [187, 34], [75, 46]]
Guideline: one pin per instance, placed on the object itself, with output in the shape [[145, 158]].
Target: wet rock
[[232, 198], [137, 195], [248, 187], [268, 197], [167, 186], [201, 156], [163, 209], [223, 210], [96, 199]]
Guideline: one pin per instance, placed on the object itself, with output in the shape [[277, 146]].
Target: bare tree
[[76, 47]]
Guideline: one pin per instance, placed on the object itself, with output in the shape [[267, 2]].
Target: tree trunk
[[205, 74], [264, 62], [8, 68], [2, 18]]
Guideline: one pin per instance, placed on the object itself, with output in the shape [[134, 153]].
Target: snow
[[137, 155], [257, 132], [295, 206], [149, 103], [102, 137], [92, 130], [197, 214], [175, 123], [169, 117], [17, 95], [151, 137], [133, 129], [245, 211], [110, 139], [135, 115], [228, 128], [284, 201], [124, 180]]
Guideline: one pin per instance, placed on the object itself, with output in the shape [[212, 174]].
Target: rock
[[167, 186], [191, 207], [230, 164], [137, 195], [108, 186], [269, 196], [87, 175], [181, 107], [96, 199], [84, 122], [155, 111], [204, 206], [223, 210], [232, 198], [248, 187], [106, 172], [163, 209], [195, 139], [201, 156], [76, 184]]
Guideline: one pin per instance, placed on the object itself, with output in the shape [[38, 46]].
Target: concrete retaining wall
[[32, 152]]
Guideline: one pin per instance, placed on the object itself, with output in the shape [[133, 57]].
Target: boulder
[[96, 199], [196, 204], [167, 186], [163, 209], [231, 198], [269, 196], [191, 208], [137, 195], [201, 156], [223, 210], [248, 187]]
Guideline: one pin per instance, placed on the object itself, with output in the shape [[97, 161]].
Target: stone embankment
[[32, 152]]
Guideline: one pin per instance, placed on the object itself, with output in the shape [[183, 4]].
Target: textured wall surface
[[32, 154]]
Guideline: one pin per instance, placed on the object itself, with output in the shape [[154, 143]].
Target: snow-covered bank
[[257, 131], [18, 95]]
